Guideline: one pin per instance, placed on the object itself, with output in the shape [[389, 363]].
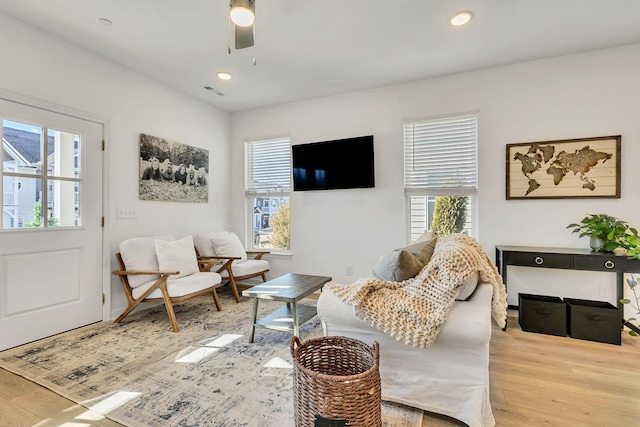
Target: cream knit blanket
[[414, 311]]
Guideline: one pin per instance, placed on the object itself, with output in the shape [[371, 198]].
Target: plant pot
[[596, 243]]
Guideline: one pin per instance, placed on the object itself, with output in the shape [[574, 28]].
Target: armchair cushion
[[250, 267], [220, 243], [178, 255], [227, 243], [139, 253], [180, 287]]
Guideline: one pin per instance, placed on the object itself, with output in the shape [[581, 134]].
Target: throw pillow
[[427, 235], [397, 266], [422, 249], [227, 243], [139, 253], [179, 255]]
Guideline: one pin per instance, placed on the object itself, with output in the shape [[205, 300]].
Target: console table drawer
[[540, 260], [606, 263]]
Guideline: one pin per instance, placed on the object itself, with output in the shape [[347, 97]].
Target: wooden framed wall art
[[173, 172], [570, 168]]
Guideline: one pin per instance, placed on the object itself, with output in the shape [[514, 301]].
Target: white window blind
[[441, 156], [268, 166]]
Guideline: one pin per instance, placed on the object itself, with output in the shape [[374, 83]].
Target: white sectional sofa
[[451, 377]]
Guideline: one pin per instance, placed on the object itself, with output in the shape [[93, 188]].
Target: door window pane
[[21, 147], [64, 210], [32, 197], [21, 202], [64, 152]]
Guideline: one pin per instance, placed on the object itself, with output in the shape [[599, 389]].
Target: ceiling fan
[[242, 17]]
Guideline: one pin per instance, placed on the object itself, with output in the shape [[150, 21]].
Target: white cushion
[[203, 244], [182, 286], [139, 254], [248, 267], [226, 243], [219, 243], [179, 255], [468, 287]]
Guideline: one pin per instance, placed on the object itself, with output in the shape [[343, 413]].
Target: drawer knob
[[609, 264], [539, 260]]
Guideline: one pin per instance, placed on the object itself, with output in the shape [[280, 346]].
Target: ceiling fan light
[[223, 75], [242, 12]]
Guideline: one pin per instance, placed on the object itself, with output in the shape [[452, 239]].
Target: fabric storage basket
[[594, 321], [336, 381], [542, 314]]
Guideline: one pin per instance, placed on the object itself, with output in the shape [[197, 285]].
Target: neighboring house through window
[[440, 174], [37, 158], [267, 188]]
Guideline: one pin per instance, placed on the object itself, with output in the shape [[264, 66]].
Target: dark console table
[[567, 259]]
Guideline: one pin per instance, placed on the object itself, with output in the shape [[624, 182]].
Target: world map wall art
[[570, 168]]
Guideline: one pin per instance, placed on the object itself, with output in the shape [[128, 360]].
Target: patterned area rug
[[139, 373]]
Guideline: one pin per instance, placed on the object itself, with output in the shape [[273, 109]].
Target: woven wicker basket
[[336, 378]]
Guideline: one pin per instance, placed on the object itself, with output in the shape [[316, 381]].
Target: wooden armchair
[[224, 249], [162, 270]]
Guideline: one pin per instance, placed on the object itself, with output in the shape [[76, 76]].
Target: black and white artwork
[[173, 172]]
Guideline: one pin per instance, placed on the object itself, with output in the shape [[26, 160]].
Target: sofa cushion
[[139, 253], [179, 255], [468, 287]]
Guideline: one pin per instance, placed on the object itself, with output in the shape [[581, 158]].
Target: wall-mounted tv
[[333, 165]]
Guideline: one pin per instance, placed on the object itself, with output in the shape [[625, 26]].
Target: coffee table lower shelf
[[282, 319]]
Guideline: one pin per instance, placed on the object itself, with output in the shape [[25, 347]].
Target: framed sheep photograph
[[171, 171]]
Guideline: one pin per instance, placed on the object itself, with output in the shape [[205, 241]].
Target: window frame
[[279, 189], [468, 178]]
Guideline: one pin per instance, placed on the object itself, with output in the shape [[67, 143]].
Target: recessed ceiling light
[[105, 21], [223, 75], [461, 18]]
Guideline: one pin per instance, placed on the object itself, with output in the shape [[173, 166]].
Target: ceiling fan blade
[[244, 36]]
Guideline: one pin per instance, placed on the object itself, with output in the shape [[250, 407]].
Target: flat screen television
[[333, 165]]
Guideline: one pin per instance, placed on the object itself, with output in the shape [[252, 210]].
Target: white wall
[[39, 66], [584, 95]]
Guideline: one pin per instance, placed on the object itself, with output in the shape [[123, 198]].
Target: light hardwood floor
[[535, 380]]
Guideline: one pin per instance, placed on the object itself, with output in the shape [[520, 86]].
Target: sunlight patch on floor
[[193, 354], [278, 362], [113, 401]]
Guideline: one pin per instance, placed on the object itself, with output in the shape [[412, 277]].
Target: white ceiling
[[311, 48]]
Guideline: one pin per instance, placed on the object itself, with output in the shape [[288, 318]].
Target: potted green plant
[[607, 233], [632, 322]]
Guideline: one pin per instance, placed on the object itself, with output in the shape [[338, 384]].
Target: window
[[40, 177], [440, 174], [267, 188]]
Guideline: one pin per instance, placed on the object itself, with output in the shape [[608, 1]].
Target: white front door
[[51, 231]]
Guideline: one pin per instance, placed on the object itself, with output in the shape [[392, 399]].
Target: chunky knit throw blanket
[[414, 311]]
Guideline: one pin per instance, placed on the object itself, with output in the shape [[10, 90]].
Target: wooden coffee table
[[290, 289]]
